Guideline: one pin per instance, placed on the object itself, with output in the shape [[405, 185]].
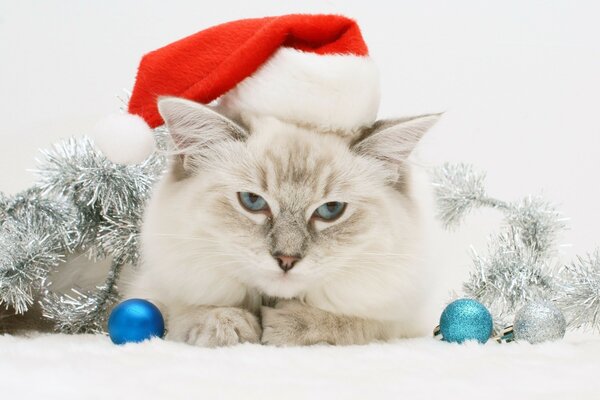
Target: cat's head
[[283, 208]]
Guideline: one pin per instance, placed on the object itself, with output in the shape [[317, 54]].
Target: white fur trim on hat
[[123, 138], [329, 92]]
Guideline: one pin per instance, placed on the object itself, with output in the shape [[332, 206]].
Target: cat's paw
[[287, 324], [215, 327]]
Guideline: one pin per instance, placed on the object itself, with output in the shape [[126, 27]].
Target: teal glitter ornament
[[466, 319], [135, 320]]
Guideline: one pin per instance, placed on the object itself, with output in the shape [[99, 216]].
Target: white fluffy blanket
[[91, 367]]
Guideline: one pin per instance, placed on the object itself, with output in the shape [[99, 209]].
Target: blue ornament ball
[[466, 319], [135, 320]]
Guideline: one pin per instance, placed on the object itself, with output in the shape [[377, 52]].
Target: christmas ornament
[[135, 320], [539, 322], [466, 319]]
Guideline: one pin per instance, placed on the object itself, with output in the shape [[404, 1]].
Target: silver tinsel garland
[[35, 234], [509, 276], [83, 203], [520, 265], [579, 288], [82, 311]]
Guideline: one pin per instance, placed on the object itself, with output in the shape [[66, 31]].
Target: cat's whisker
[[400, 257], [358, 269], [387, 254], [179, 236], [364, 275], [241, 250]]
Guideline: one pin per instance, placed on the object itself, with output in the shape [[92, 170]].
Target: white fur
[[394, 287], [189, 259], [180, 268], [331, 92], [123, 138]]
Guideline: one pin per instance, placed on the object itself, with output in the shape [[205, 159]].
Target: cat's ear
[[393, 140], [195, 128]]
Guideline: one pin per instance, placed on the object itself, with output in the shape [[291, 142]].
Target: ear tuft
[[394, 140], [196, 129], [192, 123]]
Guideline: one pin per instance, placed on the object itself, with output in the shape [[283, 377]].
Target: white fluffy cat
[[264, 231]]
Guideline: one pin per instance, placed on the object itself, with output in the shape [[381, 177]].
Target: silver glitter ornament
[[538, 322]]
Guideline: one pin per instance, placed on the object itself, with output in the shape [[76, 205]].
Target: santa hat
[[311, 70]]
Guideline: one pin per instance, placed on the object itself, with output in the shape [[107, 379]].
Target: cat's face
[[285, 209]]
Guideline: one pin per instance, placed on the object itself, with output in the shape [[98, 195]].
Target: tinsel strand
[[83, 202], [579, 295], [517, 268], [459, 189], [83, 312], [35, 235]]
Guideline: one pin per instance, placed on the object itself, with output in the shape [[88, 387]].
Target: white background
[[519, 81]]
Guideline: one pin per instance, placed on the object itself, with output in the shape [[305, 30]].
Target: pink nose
[[286, 262]]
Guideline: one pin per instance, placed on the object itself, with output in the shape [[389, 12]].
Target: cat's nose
[[286, 262]]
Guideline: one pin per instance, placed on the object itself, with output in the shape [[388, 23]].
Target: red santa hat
[[312, 70]]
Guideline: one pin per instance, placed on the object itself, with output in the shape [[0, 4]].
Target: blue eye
[[252, 202], [330, 211]]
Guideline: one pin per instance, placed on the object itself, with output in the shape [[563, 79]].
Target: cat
[[263, 231]]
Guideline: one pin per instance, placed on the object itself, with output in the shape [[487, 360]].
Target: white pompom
[[124, 138]]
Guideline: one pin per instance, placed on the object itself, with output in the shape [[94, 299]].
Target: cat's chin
[[283, 286]]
